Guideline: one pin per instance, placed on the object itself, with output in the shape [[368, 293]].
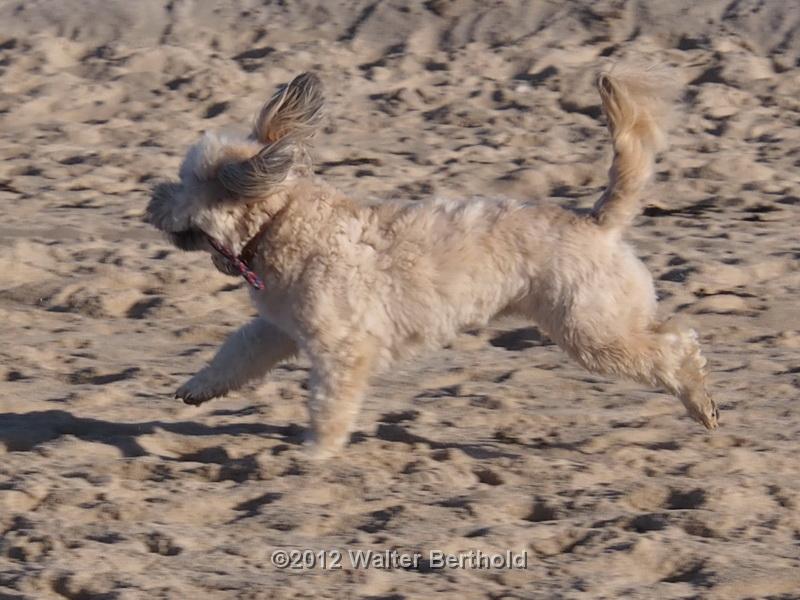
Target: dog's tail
[[636, 104]]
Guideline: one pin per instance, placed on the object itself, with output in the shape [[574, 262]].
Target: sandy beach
[[112, 489]]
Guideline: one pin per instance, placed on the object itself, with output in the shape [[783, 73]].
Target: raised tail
[[636, 104]]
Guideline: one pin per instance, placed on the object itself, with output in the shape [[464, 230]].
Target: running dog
[[356, 285]]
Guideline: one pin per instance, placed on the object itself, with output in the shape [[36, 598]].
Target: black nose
[[189, 240]]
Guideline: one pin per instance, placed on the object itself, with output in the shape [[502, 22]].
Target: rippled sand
[[111, 489]]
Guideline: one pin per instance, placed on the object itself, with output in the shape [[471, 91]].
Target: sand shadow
[[22, 432]]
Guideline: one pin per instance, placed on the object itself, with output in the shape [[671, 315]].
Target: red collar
[[244, 261]]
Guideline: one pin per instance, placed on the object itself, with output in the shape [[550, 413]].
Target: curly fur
[[357, 285]]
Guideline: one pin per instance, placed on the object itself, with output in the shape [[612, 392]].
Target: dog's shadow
[[23, 432]]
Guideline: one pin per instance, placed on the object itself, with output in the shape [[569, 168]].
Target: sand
[[111, 489]]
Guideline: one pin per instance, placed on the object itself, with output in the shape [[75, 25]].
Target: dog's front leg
[[247, 354], [338, 382]]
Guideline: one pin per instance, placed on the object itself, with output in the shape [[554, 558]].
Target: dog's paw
[[710, 419], [198, 390], [319, 452], [320, 449], [705, 412]]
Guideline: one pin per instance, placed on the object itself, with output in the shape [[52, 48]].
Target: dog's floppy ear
[[259, 175], [295, 109], [290, 117]]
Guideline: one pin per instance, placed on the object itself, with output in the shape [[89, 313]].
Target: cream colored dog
[[356, 285]]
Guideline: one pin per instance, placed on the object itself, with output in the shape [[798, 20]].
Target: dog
[[356, 285]]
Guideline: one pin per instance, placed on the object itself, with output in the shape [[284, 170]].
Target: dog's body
[[357, 285]]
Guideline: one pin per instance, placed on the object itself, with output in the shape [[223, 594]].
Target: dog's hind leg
[[682, 370], [249, 353], [663, 356]]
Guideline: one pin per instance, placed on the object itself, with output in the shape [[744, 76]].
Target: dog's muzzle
[[189, 240], [159, 215], [224, 265]]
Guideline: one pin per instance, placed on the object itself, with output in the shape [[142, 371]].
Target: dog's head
[[225, 177]]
